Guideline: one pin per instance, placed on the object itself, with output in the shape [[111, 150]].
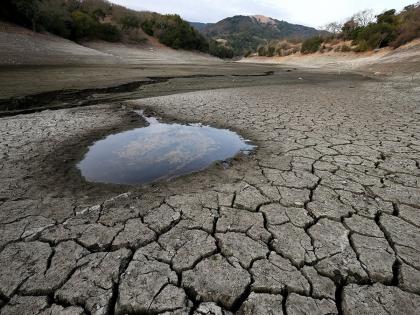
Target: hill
[[246, 33], [21, 46], [200, 26], [87, 20]]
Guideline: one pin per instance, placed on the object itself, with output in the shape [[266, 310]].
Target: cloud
[[307, 12]]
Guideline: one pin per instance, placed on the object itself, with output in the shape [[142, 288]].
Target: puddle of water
[[159, 152]]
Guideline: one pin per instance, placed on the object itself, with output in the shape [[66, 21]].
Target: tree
[[333, 27], [349, 29], [311, 45], [129, 21], [23, 12], [364, 18], [84, 25]]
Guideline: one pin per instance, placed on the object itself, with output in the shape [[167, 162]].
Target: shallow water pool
[[159, 152]]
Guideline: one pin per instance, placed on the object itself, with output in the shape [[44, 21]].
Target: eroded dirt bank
[[323, 216]]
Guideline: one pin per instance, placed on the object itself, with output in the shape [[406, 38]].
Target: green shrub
[[129, 21], [84, 25], [108, 32], [409, 28], [54, 17], [311, 45], [220, 50], [345, 48], [362, 46], [270, 51]]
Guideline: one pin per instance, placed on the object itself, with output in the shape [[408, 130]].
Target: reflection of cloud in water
[[172, 145], [157, 152]]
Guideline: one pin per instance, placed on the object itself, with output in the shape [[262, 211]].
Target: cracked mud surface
[[322, 219]]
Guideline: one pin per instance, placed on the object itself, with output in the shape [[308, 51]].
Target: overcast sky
[[308, 12]]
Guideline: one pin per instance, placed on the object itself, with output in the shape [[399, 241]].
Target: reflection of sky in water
[[158, 152]]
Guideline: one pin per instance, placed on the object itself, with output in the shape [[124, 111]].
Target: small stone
[[409, 279], [297, 305], [261, 303], [379, 299], [276, 274], [240, 246], [215, 280]]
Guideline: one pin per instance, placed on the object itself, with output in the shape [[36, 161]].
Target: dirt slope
[[20, 46], [405, 59]]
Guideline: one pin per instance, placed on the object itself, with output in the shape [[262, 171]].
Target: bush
[[345, 48], [220, 50], [311, 45], [410, 26], [362, 46], [270, 51], [108, 32], [84, 25], [54, 17], [129, 21]]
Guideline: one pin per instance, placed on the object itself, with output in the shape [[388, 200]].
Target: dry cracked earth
[[323, 218]]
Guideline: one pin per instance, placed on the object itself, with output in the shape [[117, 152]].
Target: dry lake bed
[[320, 216]]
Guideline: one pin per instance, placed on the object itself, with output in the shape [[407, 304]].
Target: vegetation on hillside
[[362, 32], [80, 20], [246, 33]]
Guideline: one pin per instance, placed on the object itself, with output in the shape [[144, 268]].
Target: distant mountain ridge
[[245, 33]]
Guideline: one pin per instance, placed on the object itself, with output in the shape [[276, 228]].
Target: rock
[[410, 214], [261, 303], [58, 309], [241, 247], [297, 305], [409, 279], [209, 308], [94, 236], [379, 300], [376, 255], [326, 203], [363, 226], [364, 205], [406, 238], [333, 250], [199, 210], [292, 242], [215, 280], [292, 179], [64, 261], [97, 236], [25, 305], [322, 287], [187, 247], [249, 197], [276, 275], [292, 196], [148, 286], [28, 228], [92, 283], [23, 261], [277, 214], [162, 219], [235, 220], [134, 235]]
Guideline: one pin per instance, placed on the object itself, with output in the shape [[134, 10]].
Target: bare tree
[[363, 18], [333, 27]]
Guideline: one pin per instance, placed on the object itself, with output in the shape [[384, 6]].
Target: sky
[[314, 13]]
